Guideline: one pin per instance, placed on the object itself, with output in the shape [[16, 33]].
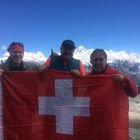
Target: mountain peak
[[83, 54]]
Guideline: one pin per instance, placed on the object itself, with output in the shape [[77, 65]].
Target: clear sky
[[44, 24]]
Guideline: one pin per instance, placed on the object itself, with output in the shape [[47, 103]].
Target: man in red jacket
[[98, 59], [114, 105]]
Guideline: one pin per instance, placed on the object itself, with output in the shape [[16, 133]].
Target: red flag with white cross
[[57, 106]]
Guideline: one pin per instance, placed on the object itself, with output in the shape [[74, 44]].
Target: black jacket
[[57, 63], [24, 66]]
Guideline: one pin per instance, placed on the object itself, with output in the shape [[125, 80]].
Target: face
[[67, 53], [98, 61], [16, 56]]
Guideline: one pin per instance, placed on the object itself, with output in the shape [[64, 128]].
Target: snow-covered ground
[[134, 118]]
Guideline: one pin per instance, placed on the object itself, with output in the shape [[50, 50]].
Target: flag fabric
[[1, 111], [58, 106]]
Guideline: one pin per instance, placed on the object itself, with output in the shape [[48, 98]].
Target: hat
[[68, 44]]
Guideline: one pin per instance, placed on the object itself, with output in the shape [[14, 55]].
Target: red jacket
[[128, 85]]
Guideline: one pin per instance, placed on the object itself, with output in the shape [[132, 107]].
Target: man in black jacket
[[65, 61]]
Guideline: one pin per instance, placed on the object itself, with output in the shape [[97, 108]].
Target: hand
[[118, 77], [53, 53], [76, 72], [43, 68], [1, 72]]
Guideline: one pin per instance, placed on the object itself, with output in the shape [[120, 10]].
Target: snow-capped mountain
[[29, 56], [83, 54]]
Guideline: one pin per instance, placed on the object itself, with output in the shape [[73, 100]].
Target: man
[[98, 60], [111, 102], [15, 60], [65, 61]]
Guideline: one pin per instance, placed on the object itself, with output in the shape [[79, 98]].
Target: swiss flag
[[57, 106]]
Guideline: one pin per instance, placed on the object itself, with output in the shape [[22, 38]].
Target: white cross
[[64, 106]]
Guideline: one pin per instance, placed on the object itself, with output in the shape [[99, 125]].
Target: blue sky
[[44, 24]]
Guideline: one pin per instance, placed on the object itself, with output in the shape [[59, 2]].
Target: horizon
[[82, 54]]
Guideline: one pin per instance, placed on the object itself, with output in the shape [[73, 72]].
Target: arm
[[46, 65], [80, 72], [130, 87], [128, 84], [82, 69]]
